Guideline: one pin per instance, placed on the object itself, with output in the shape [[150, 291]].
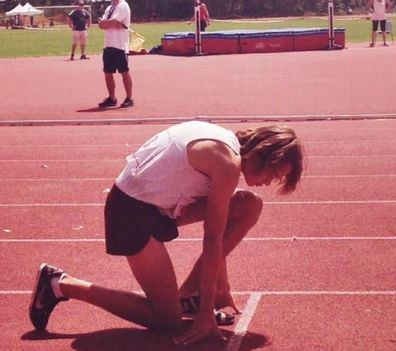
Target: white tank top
[[379, 10], [159, 172]]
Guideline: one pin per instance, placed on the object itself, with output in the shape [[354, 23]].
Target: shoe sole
[[35, 286]]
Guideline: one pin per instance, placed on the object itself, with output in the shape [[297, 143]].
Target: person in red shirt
[[204, 18]]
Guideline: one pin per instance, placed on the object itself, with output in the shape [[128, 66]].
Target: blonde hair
[[272, 146]]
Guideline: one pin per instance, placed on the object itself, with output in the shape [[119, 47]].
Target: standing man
[[115, 23], [379, 9], [79, 21]]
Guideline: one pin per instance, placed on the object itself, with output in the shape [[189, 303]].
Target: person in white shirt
[[185, 174], [115, 23], [379, 9]]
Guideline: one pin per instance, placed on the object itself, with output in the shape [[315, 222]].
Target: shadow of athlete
[[141, 339]]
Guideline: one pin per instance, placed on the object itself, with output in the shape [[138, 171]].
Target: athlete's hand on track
[[204, 326]]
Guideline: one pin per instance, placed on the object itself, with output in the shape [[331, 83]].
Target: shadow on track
[[142, 339], [100, 109]]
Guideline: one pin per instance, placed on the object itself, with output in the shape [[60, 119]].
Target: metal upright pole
[[331, 24], [198, 37]]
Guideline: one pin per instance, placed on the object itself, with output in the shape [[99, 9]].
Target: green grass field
[[57, 41]]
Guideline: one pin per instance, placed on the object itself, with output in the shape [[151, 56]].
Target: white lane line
[[350, 176], [96, 204], [349, 202], [52, 146], [324, 238], [59, 179], [243, 324], [349, 156], [356, 141], [78, 240], [319, 293], [270, 293], [123, 159], [63, 160], [130, 145], [41, 179], [293, 238], [88, 204]]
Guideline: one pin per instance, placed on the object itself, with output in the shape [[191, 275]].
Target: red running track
[[356, 81], [316, 273]]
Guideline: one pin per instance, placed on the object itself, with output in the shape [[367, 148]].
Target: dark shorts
[[203, 25], [382, 25], [129, 224], [115, 59]]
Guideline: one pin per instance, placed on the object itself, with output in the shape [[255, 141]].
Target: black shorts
[[382, 25], [115, 59], [129, 224], [203, 24]]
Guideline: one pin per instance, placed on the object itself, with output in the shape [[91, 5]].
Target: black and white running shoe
[[190, 307], [43, 298]]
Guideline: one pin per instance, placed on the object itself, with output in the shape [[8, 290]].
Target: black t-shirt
[[79, 18]]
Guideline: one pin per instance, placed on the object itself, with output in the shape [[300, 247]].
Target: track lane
[[288, 266], [94, 191], [78, 326], [74, 222], [42, 170], [293, 265], [362, 323], [90, 152]]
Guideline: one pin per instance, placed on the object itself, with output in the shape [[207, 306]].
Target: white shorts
[[80, 37]]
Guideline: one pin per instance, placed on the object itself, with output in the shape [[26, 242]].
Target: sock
[[55, 286]]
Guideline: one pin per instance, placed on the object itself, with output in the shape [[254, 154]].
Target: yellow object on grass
[[136, 41]]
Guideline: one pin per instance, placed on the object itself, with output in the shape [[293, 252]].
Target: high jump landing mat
[[251, 41]]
